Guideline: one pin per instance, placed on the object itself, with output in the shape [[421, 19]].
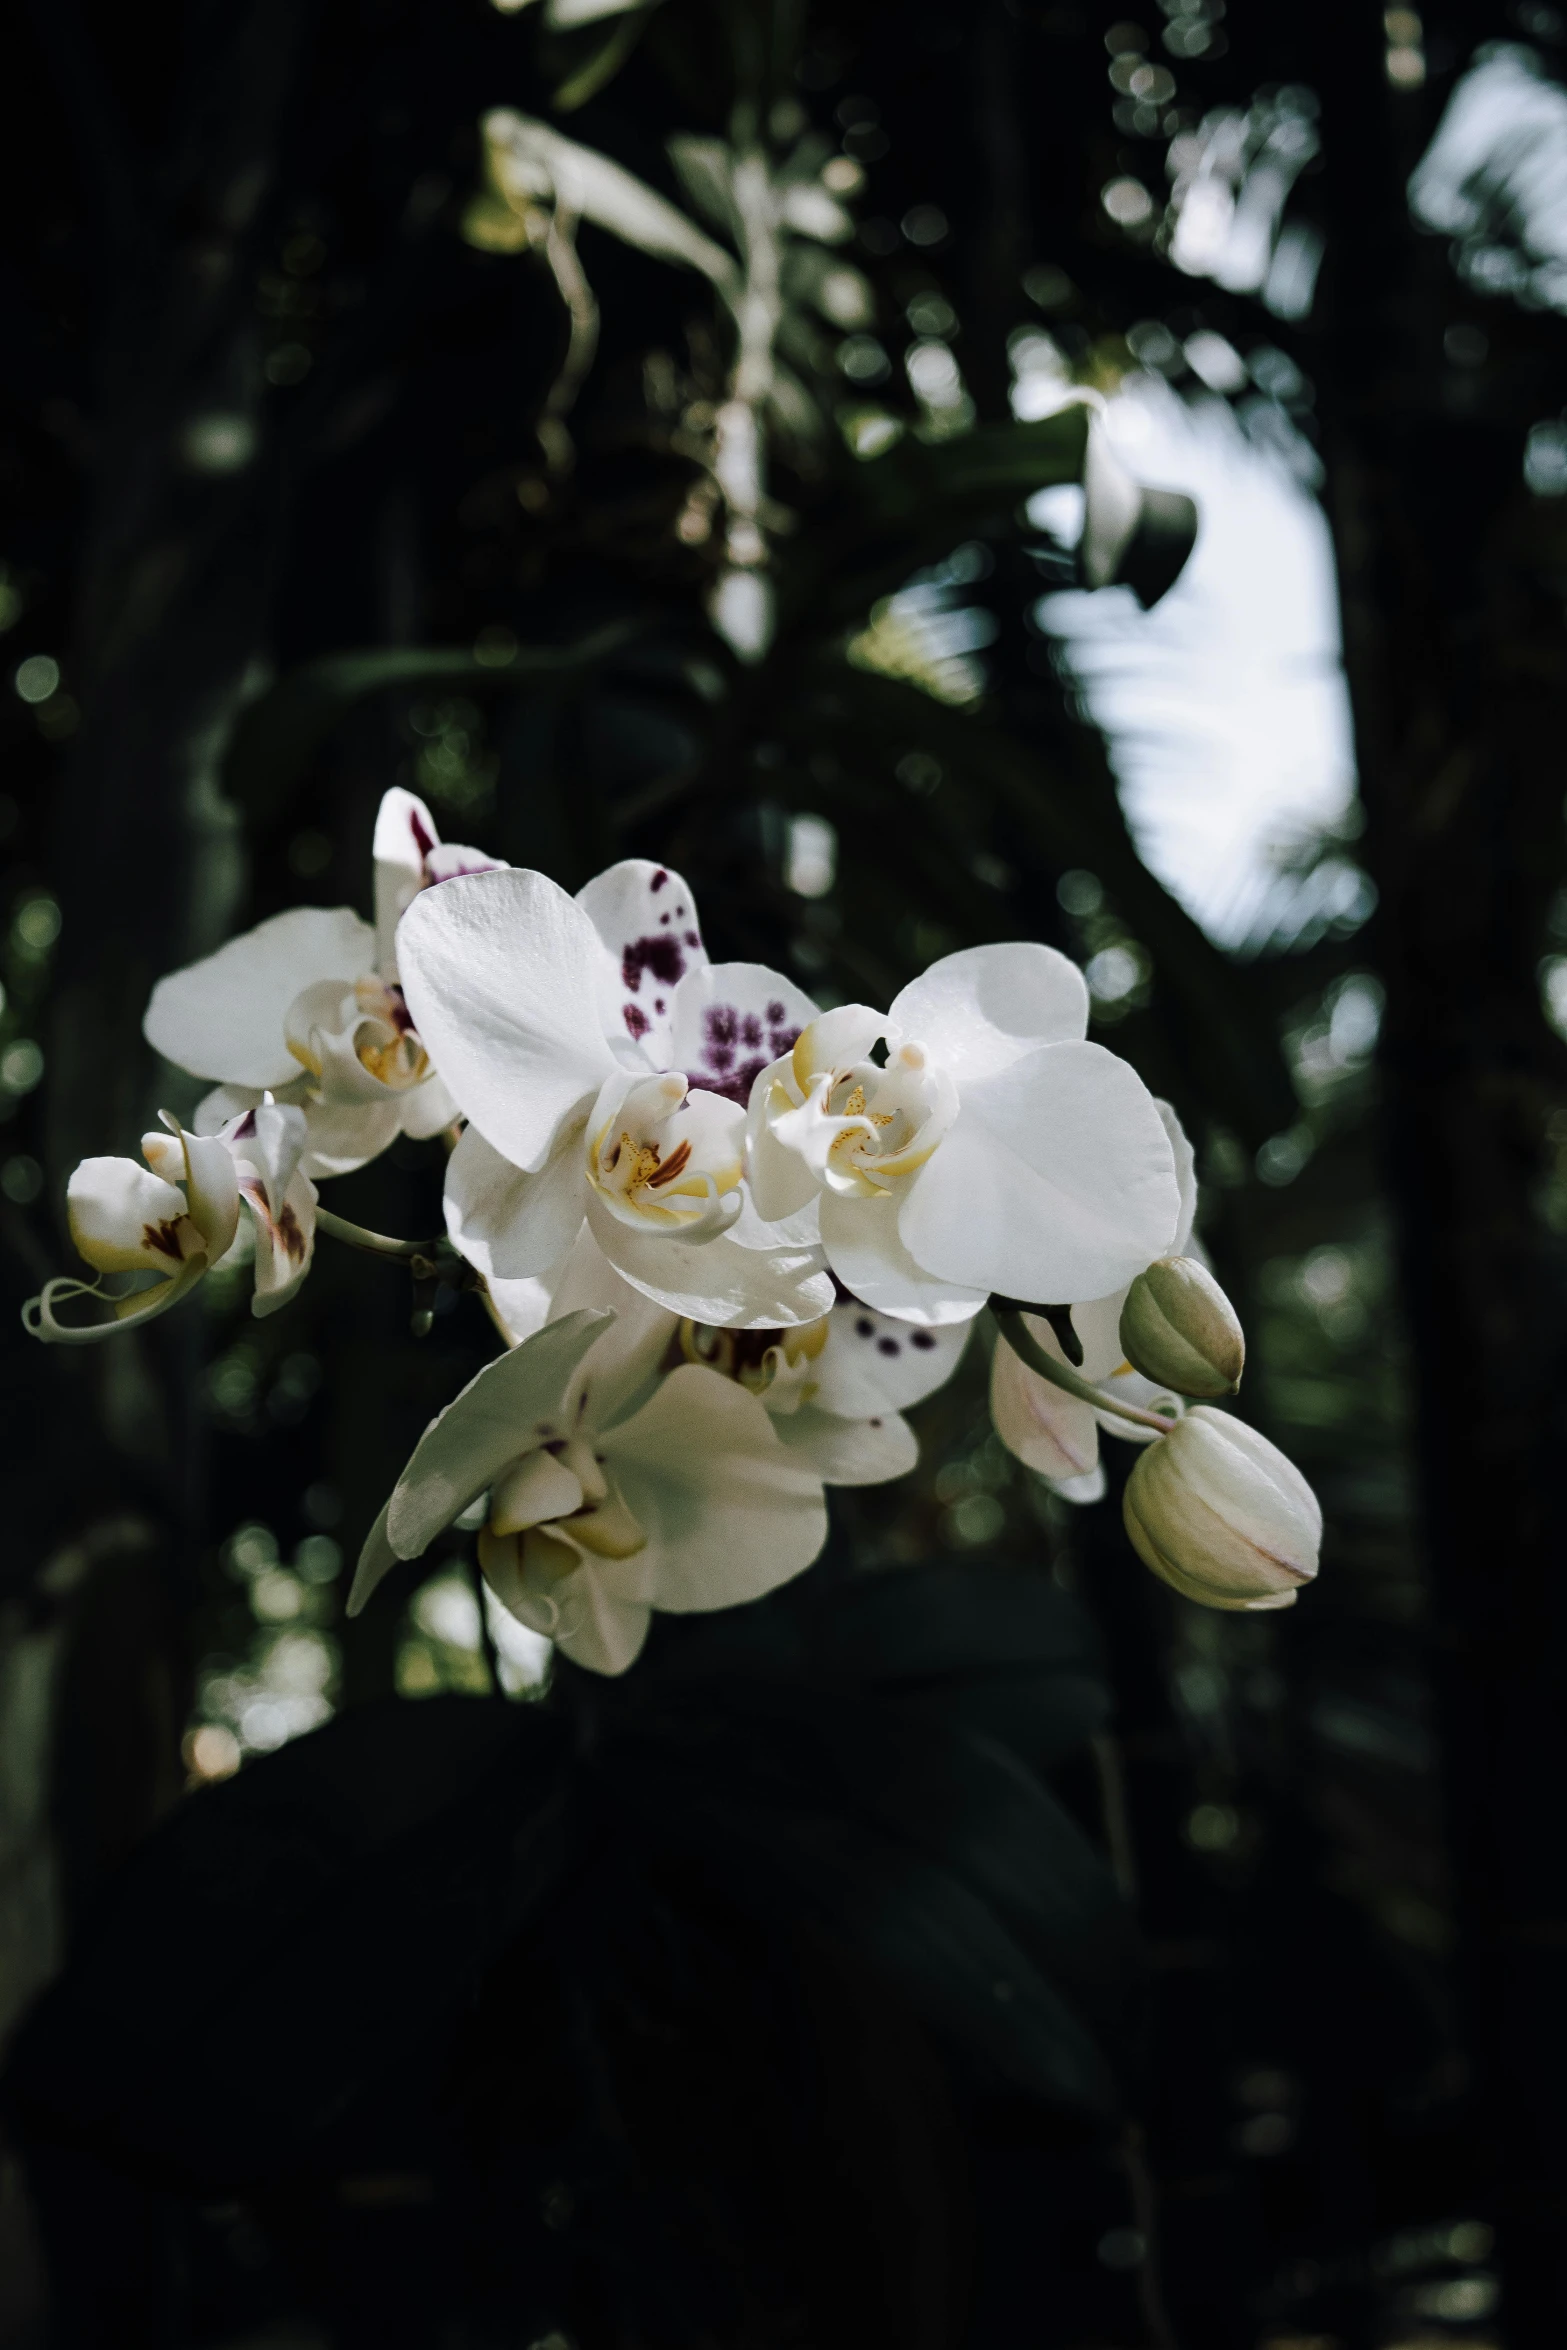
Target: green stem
[[375, 1244], [1019, 1337]]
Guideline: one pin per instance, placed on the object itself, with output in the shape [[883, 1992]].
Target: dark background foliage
[[785, 1994]]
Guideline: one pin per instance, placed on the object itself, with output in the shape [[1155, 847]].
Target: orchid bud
[[1179, 1329], [1219, 1514]]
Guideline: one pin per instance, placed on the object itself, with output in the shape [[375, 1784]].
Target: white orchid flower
[[992, 1149], [307, 1007], [613, 1487], [1055, 1433], [178, 1216], [603, 1065]]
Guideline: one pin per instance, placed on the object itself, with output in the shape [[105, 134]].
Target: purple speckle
[[401, 1018], [246, 1127], [661, 956], [732, 1052], [888, 1346], [775, 1016], [637, 1021], [722, 1023], [424, 841], [659, 879], [864, 1327], [663, 917], [922, 1339], [692, 940]]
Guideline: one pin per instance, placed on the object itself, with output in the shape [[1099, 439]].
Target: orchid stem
[[375, 1244], [1019, 1337]]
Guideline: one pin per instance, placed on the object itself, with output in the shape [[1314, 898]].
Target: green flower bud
[[1221, 1516], [1179, 1328]]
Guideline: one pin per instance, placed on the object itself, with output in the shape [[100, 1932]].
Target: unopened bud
[[1179, 1329], [1220, 1514]]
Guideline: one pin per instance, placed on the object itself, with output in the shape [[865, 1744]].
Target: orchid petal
[[376, 1560], [718, 1281], [513, 1404], [1057, 1180], [1185, 1176], [616, 1375], [600, 1627], [850, 1452], [979, 1011], [729, 1514], [519, 1307], [730, 1020], [873, 1363], [404, 836], [1041, 1425], [224, 1016], [508, 1224], [646, 917], [212, 1190], [448, 858], [502, 974], [340, 1136], [1084, 1490], [532, 1490], [782, 1185], [836, 1040], [123, 1219], [427, 1110], [865, 1249]]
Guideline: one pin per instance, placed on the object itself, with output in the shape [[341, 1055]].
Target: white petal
[[124, 1219], [285, 1239], [1185, 1176], [850, 1452], [215, 1109], [980, 1010], [448, 858], [729, 1513], [508, 1409], [598, 1627], [781, 1183], [730, 1021], [340, 1136], [212, 1189], [376, 1559], [615, 1376], [717, 1281], [404, 836], [530, 1491], [1090, 1487], [872, 1363], [866, 1251], [502, 974], [427, 1109], [1057, 1181], [512, 1225], [646, 917], [1042, 1426], [521, 1307], [223, 1017]]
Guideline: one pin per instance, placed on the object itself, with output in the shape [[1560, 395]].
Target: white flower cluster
[[729, 1235]]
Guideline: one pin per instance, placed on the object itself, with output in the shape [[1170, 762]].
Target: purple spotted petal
[[731, 1021], [646, 916]]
